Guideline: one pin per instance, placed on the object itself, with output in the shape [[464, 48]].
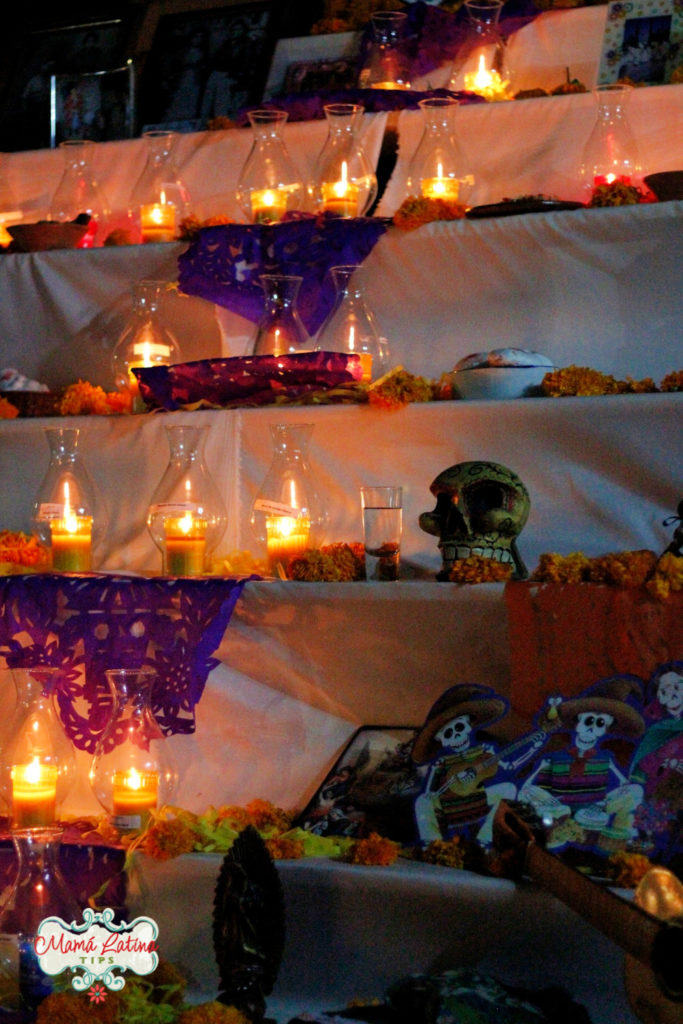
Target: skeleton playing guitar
[[654, 946]]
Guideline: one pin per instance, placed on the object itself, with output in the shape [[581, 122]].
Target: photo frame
[[71, 50], [205, 64], [643, 42], [97, 105]]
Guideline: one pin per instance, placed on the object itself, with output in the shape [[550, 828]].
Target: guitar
[[653, 944]]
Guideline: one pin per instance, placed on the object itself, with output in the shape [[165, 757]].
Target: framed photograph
[[205, 64], [309, 76], [643, 42], [303, 63], [42, 54], [97, 105]]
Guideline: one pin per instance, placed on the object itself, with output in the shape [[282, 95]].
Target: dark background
[[84, 37]]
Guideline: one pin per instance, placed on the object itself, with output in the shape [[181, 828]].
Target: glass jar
[[611, 152], [187, 516], [481, 62], [133, 771], [350, 326], [436, 170], [269, 184], [344, 181], [66, 516], [287, 516], [37, 759], [79, 193], [160, 199], [39, 891], [144, 341], [386, 65], [280, 330]]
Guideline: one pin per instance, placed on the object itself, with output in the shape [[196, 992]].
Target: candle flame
[[33, 772], [133, 779], [341, 187]]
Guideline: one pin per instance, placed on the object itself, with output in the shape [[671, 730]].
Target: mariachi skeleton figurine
[[481, 508]]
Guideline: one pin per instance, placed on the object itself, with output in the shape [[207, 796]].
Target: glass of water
[[382, 524]]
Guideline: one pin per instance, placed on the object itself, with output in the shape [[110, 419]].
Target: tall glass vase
[[145, 340], [187, 516], [78, 192], [287, 515], [344, 183], [611, 152], [160, 198], [386, 65], [39, 891], [67, 515], [481, 62], [350, 325], [280, 330], [269, 183], [436, 169], [133, 771], [37, 759]]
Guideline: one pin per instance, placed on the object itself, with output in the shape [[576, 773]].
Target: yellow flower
[[86, 399], [418, 210], [554, 568], [168, 838], [667, 576], [672, 382], [477, 569], [578, 380], [374, 850], [448, 853]]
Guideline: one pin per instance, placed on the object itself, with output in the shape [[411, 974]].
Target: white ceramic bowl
[[496, 382]]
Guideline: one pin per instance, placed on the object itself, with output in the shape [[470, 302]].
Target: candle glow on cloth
[[34, 795], [134, 794], [286, 537], [71, 540], [268, 205], [341, 197], [486, 83], [157, 221], [184, 545]]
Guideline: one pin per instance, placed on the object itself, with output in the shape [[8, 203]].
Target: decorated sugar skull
[[481, 508]]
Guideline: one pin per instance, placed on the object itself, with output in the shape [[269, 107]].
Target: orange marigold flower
[[239, 817], [374, 850], [477, 569], [618, 193], [168, 838], [331, 563], [282, 848], [7, 410], [627, 869], [398, 388], [667, 576], [86, 399], [554, 568], [265, 815], [672, 381], [578, 380], [448, 853], [22, 549], [622, 568], [418, 210]]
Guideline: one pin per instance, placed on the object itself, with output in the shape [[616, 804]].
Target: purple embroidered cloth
[[245, 380], [84, 625], [225, 262]]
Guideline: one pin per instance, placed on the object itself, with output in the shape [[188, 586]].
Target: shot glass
[[382, 524]]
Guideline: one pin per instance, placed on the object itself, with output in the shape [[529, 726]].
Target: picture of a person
[[459, 795], [658, 761]]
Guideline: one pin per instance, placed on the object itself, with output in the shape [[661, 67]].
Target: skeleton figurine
[[481, 508]]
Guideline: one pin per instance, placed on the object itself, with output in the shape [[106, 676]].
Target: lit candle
[[341, 197], [185, 545], [440, 187], [134, 795], [610, 179], [157, 221], [286, 537], [486, 83], [71, 539], [268, 205], [34, 794]]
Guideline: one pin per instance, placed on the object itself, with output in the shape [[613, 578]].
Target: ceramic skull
[[481, 508]]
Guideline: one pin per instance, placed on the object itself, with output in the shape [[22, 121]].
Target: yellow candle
[[268, 205], [341, 197], [34, 795], [440, 187], [185, 545], [71, 542], [366, 364], [157, 221], [486, 83], [135, 794], [286, 537]]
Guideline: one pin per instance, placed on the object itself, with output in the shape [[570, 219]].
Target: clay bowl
[[666, 184], [46, 234]]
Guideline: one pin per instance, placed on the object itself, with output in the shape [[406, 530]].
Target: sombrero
[[609, 697], [481, 703]]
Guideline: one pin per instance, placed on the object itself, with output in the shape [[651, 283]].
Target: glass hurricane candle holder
[[287, 516], [436, 169], [350, 325], [78, 192], [37, 759], [187, 516], [66, 514], [481, 63], [344, 181], [611, 152], [269, 184], [133, 771], [144, 341], [160, 198], [280, 330], [386, 65]]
